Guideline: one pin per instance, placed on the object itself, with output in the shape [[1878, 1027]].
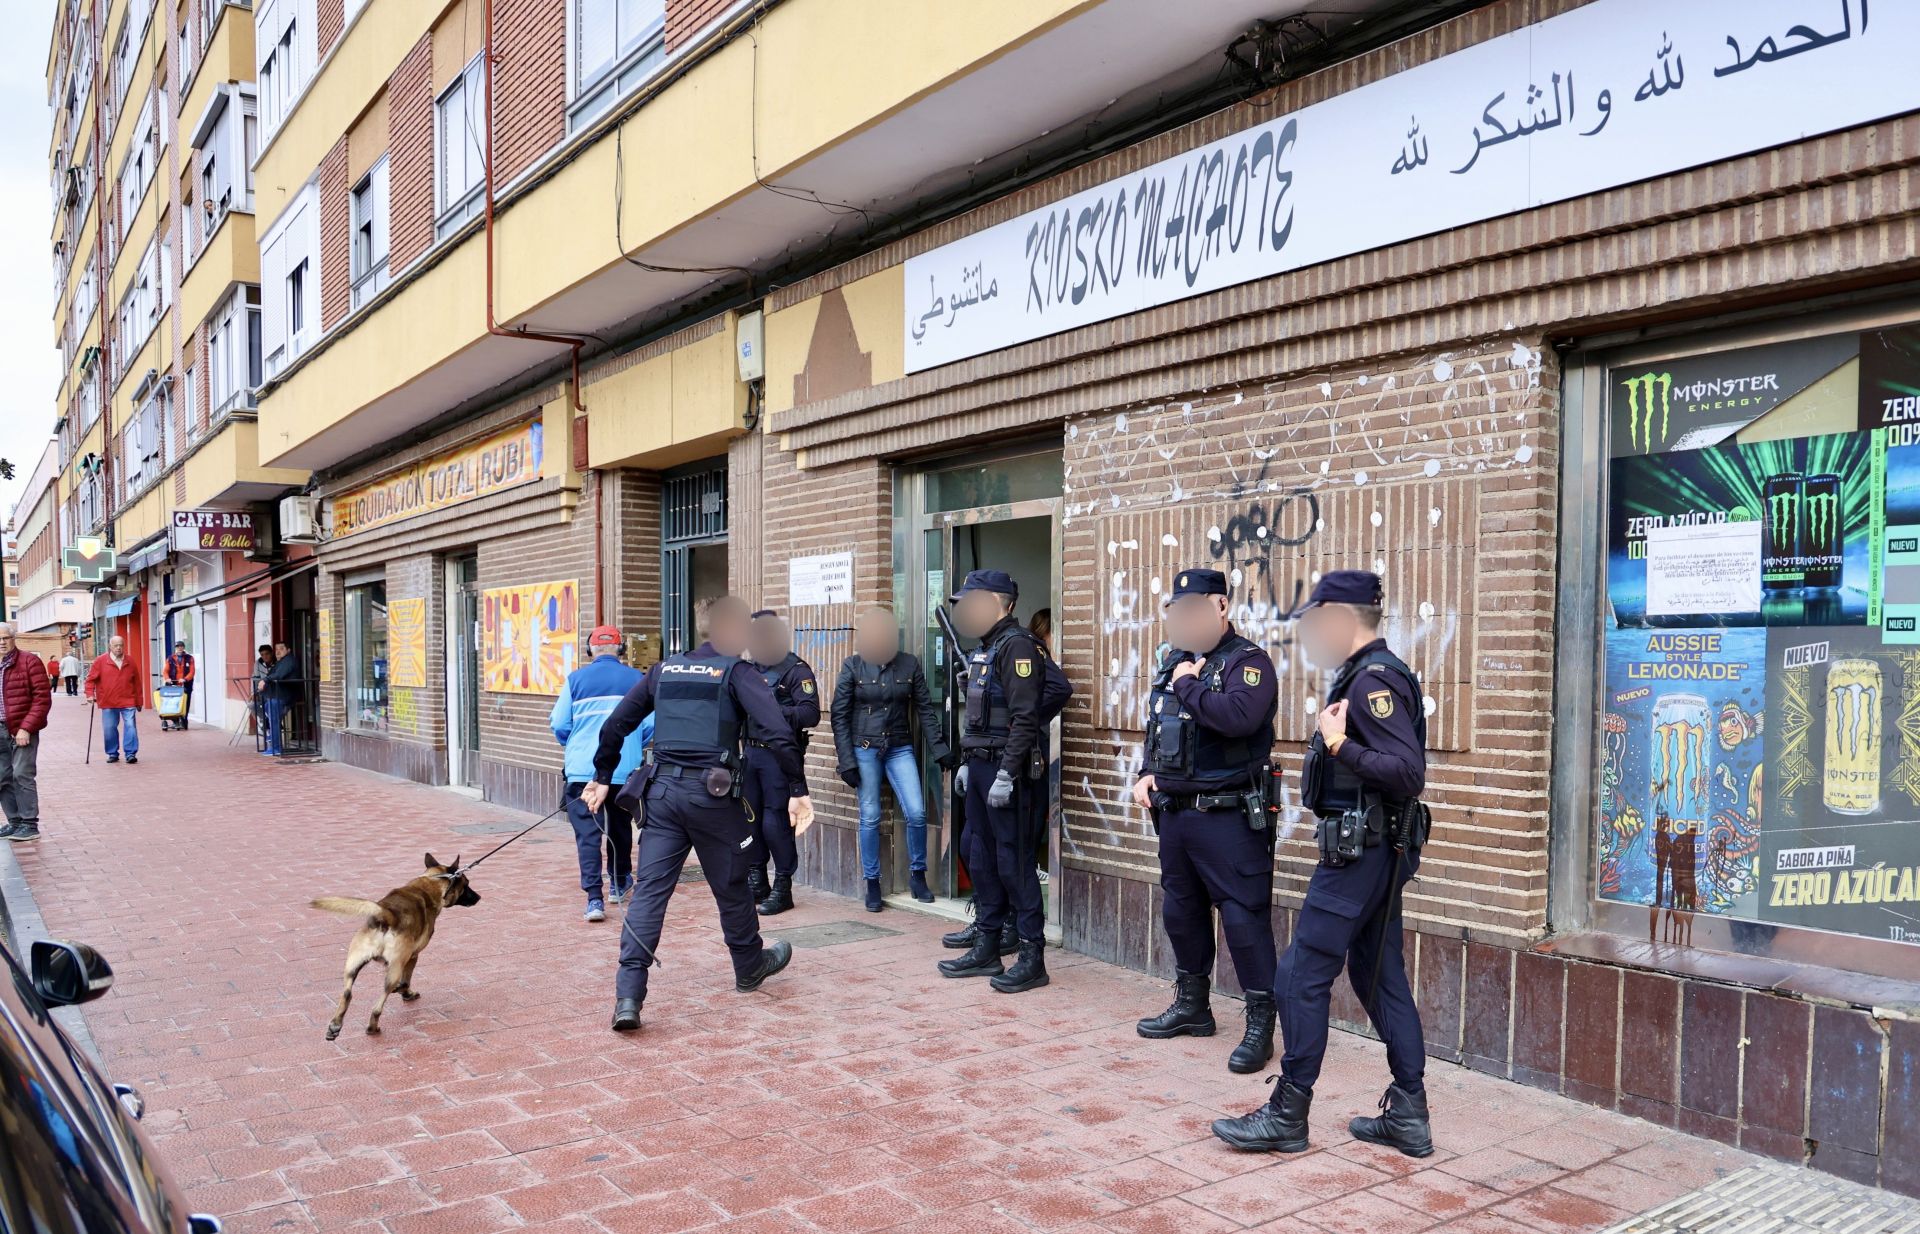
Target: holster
[[1410, 827], [1341, 837], [632, 796]]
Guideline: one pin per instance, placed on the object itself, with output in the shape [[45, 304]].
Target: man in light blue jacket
[[589, 695]]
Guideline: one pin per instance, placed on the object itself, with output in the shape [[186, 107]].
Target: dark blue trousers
[[766, 794], [1005, 880], [1208, 860], [588, 841], [680, 817], [1339, 926]]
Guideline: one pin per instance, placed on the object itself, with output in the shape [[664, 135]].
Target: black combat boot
[[961, 940], [982, 959], [1256, 1048], [779, 896], [1279, 1126], [1190, 1014], [1029, 972], [626, 1015], [777, 956], [1009, 939], [757, 883], [1402, 1123]]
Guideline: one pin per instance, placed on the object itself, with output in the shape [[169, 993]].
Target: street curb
[[21, 925]]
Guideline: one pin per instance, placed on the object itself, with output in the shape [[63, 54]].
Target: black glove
[[948, 759], [1000, 796], [851, 774]]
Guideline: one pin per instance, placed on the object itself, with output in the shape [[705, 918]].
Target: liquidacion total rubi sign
[[496, 462]]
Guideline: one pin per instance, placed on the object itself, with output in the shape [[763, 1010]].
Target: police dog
[[395, 931]]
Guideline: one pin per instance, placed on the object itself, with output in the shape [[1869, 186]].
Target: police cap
[[988, 580], [1361, 587], [1197, 583]]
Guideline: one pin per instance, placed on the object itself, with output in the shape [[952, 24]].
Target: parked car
[[73, 1159]]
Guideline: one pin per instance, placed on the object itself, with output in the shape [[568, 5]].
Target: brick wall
[[336, 236], [530, 83], [330, 17], [410, 153], [633, 552], [686, 18]]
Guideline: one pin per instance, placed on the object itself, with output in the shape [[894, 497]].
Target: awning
[[122, 606], [272, 574], [140, 558]]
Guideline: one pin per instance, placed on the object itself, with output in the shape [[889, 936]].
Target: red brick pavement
[[858, 1091]]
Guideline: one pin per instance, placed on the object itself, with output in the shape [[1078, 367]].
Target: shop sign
[[212, 531], [499, 461], [1611, 93], [90, 558]]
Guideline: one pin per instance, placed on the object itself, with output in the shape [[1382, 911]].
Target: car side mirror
[[65, 974]]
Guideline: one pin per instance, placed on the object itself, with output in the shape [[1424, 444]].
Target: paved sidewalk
[[858, 1091]]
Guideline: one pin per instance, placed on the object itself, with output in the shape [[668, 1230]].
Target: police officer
[[770, 651], [998, 741], [1203, 779], [1362, 778], [705, 703]]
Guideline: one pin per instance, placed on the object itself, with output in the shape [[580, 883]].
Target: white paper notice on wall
[[1703, 570], [827, 579]]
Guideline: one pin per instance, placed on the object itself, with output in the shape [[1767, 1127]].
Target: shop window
[[1756, 765], [367, 692]]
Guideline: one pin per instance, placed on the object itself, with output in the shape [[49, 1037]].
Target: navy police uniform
[[798, 693], [1208, 738], [999, 737], [1364, 793], [704, 706]]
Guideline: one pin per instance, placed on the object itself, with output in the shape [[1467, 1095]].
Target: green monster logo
[[1648, 395], [1780, 512], [1821, 509]]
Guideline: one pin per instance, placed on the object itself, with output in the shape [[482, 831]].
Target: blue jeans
[[276, 710], [902, 771], [111, 720]]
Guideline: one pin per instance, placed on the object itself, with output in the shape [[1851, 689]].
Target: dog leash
[[496, 848]]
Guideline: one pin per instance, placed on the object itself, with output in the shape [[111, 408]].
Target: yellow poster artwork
[[325, 622], [407, 641], [529, 637]]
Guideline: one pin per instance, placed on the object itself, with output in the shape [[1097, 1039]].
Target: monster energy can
[[1781, 567], [1681, 787], [1823, 547], [1851, 784]]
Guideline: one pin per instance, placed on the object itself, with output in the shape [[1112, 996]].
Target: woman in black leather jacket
[[878, 701]]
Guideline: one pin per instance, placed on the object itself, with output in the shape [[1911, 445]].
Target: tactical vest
[[879, 695], [1339, 786], [1180, 747], [695, 720], [988, 721]]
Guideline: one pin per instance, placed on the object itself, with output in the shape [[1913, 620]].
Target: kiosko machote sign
[[501, 460], [1612, 93]]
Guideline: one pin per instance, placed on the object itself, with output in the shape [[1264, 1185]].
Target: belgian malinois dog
[[395, 931]]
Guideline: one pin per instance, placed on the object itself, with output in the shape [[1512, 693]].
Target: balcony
[[224, 471], [230, 256]]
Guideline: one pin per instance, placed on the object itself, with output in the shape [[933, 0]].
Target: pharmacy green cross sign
[[90, 558]]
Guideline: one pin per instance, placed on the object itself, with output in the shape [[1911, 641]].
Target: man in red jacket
[[26, 695], [113, 683]]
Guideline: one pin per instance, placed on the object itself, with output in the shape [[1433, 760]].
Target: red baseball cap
[[604, 636]]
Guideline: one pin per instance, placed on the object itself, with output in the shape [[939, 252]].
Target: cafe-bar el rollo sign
[[499, 461], [212, 531], [1612, 93]]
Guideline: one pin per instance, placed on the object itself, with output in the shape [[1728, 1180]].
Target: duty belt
[[674, 771], [1226, 799]]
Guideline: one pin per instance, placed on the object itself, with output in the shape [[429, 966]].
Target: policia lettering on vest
[[770, 648], [1003, 776], [688, 796], [1205, 781], [1362, 779]]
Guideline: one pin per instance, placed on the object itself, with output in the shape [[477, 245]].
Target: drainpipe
[[572, 342]]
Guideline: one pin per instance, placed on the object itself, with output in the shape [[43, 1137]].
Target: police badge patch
[[1023, 668], [1380, 703], [806, 687], [1250, 675]]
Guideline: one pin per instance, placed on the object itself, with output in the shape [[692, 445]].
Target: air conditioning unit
[[299, 520]]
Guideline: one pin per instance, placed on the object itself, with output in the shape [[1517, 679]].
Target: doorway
[[463, 670], [1001, 513]]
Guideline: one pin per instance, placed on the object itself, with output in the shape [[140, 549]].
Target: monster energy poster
[[1900, 565], [1813, 497], [1680, 816], [1890, 379], [1841, 850], [1699, 401]]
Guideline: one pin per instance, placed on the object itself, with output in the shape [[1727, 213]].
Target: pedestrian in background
[[770, 652], [114, 685], [70, 672], [26, 696], [587, 697], [873, 731], [179, 672], [262, 663], [279, 686]]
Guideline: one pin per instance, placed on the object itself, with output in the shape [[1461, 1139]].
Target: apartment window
[[370, 234], [367, 656], [188, 403], [287, 263], [233, 354], [460, 133], [616, 44], [297, 300]]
